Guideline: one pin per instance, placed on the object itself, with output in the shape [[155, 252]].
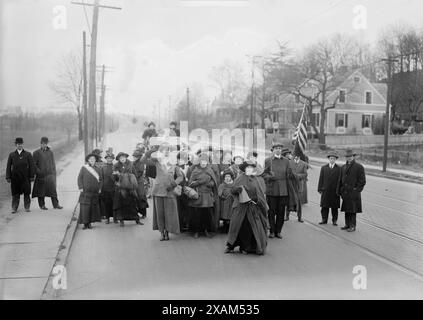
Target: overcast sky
[[158, 47]]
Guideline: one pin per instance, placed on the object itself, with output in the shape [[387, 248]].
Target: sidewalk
[[30, 242]]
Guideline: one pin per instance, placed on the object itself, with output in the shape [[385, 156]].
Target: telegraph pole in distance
[[92, 82], [389, 61], [84, 95], [188, 106]]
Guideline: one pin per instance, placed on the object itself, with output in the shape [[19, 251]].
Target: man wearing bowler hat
[[275, 176], [328, 181], [45, 179], [350, 185], [20, 172]]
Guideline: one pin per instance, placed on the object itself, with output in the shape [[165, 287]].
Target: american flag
[[299, 138]]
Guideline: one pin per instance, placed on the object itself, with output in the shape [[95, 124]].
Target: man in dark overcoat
[[20, 172], [328, 181], [45, 179], [350, 185], [275, 175]]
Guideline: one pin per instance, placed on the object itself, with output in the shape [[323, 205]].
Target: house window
[[316, 119], [366, 120], [341, 120], [356, 79], [369, 97], [342, 96]]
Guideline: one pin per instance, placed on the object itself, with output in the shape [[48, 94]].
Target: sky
[[156, 48]]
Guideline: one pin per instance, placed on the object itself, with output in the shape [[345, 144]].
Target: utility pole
[[389, 61], [188, 106], [169, 115], [102, 99], [84, 95], [92, 83]]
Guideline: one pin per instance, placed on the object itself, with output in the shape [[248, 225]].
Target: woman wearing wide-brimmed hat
[[89, 183], [203, 179], [125, 201], [249, 222]]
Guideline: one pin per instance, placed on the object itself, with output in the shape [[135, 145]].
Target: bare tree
[[67, 86], [230, 79]]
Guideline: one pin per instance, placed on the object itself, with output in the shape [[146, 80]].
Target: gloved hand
[[194, 184], [236, 190]]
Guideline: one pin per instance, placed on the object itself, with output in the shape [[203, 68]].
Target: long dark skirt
[[125, 206], [248, 229], [201, 219], [184, 212], [106, 204], [165, 214], [89, 209]]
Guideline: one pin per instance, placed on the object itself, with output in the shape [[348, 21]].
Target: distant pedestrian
[[328, 181], [125, 201], [174, 131], [184, 211], [20, 172], [139, 167], [249, 222], [149, 133], [99, 162], [107, 188], [351, 183], [89, 184], [276, 177], [45, 179]]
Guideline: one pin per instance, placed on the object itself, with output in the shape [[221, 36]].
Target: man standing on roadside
[[45, 180], [275, 176], [20, 173], [351, 183], [328, 180]]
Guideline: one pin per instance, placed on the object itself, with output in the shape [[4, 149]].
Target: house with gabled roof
[[360, 107]]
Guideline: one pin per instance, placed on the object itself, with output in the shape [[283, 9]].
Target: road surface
[[310, 262]]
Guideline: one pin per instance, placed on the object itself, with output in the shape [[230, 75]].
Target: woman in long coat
[[125, 200], [226, 198], [203, 179], [89, 183], [249, 222], [108, 188], [139, 167], [165, 207]]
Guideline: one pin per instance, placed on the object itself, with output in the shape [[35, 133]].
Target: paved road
[[110, 262]]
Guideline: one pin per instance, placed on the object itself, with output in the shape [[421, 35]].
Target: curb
[[49, 293], [376, 173]]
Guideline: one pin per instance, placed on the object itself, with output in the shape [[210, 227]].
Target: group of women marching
[[191, 194]]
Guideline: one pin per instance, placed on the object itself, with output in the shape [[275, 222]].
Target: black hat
[[228, 171], [19, 141], [350, 153], [173, 123], [277, 143], [246, 164], [109, 155], [333, 154], [44, 140], [120, 154], [285, 151], [92, 155], [151, 123]]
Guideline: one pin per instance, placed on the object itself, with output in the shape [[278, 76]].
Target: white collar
[[19, 151]]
